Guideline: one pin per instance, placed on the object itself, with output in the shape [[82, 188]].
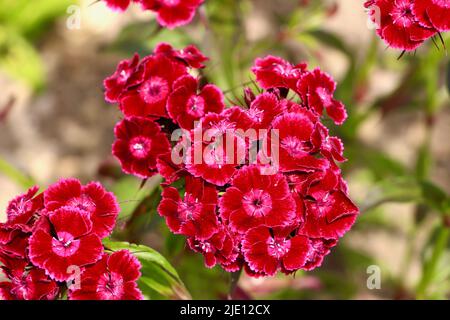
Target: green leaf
[[15, 175], [159, 278], [435, 197]]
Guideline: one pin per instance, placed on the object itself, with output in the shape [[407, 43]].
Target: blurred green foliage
[[22, 23]]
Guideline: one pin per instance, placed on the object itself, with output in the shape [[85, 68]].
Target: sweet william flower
[[433, 14], [318, 249], [190, 55], [187, 104], [268, 250], [195, 214], [112, 278], [254, 199], [118, 5], [100, 205], [139, 142], [64, 239]]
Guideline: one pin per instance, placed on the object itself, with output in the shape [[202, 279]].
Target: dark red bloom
[[150, 97], [112, 278], [138, 144], [23, 210], [13, 241], [186, 105], [329, 147], [397, 24], [195, 214], [263, 109], [318, 249], [170, 171], [190, 55], [119, 5], [219, 249], [255, 199], [268, 250], [124, 77], [273, 72], [172, 13], [433, 14], [329, 211], [101, 205], [316, 88], [295, 146], [21, 281], [64, 239]]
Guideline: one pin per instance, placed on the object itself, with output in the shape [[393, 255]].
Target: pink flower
[[318, 249], [316, 89], [172, 13], [23, 210], [138, 144], [190, 55], [263, 109], [63, 239], [195, 214], [186, 105], [101, 206], [268, 250], [112, 278], [118, 5], [254, 199], [433, 14]]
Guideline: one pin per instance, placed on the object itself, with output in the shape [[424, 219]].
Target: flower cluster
[[54, 238], [281, 209], [406, 24], [169, 13]]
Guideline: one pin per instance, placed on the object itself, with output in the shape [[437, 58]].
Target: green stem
[[234, 279], [430, 266]]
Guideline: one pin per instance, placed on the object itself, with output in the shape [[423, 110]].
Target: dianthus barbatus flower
[[195, 214], [21, 281], [23, 210], [254, 199], [263, 109], [433, 14], [172, 13], [63, 239], [100, 205], [119, 5], [268, 250], [112, 278], [397, 24], [139, 142], [188, 104], [190, 55]]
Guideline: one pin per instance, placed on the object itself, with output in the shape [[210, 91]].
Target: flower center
[[256, 114], [111, 286], [82, 202], [154, 90], [324, 95], [65, 245], [140, 147], [196, 106], [171, 2], [294, 146], [257, 203], [321, 206], [277, 248], [188, 209], [402, 15]]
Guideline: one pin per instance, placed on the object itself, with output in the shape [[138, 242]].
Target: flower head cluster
[[53, 238], [270, 201], [406, 24], [169, 13]]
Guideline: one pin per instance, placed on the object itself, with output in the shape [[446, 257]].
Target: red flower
[[329, 212], [172, 13], [397, 24], [20, 281], [219, 249], [23, 210], [255, 199], [329, 147], [268, 250], [316, 88], [13, 241], [139, 142], [170, 171], [433, 14], [263, 109], [119, 5], [128, 74], [195, 214], [101, 205], [150, 97], [64, 239], [190, 55], [112, 278], [274, 72], [185, 105], [318, 249], [295, 146]]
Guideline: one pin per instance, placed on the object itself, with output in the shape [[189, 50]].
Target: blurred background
[[54, 55]]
